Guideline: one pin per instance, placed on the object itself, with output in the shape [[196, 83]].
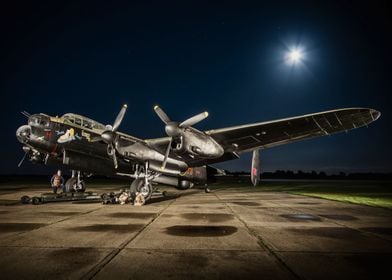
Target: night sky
[[226, 58]]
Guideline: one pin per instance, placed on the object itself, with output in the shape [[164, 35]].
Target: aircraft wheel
[[82, 187], [71, 185], [138, 186]]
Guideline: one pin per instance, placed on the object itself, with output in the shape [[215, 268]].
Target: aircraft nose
[[23, 133]]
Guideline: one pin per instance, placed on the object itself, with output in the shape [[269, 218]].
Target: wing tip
[[375, 114]]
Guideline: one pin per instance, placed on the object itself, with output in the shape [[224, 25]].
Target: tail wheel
[[72, 185], [139, 186]]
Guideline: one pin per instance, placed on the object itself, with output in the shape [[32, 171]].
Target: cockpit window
[[87, 124], [83, 121], [72, 120], [78, 121]]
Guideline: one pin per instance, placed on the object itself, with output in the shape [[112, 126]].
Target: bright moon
[[294, 56]]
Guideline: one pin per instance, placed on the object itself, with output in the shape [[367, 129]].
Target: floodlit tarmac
[[233, 233]]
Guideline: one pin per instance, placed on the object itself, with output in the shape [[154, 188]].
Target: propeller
[[110, 136], [174, 129]]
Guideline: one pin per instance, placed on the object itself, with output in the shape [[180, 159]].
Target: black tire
[[25, 199], [36, 200], [138, 186], [70, 185], [83, 189]]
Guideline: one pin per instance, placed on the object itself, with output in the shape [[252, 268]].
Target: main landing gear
[[75, 183], [142, 183]]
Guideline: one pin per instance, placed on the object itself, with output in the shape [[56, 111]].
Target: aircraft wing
[[268, 134]]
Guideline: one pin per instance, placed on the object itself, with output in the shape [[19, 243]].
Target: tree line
[[321, 175]]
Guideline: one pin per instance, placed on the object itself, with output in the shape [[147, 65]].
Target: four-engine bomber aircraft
[[89, 147]]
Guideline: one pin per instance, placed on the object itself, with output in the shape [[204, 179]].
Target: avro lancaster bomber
[[88, 147]]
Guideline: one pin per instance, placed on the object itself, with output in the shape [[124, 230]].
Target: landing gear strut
[[75, 183], [142, 182]]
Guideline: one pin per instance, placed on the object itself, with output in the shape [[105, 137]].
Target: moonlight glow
[[294, 56]]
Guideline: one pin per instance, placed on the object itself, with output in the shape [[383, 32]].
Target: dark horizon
[[223, 57]]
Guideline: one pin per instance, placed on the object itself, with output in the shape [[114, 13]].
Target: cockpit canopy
[[83, 121]]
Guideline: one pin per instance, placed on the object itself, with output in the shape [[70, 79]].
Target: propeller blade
[[115, 160], [23, 158], [119, 118], [166, 154], [161, 114], [194, 120], [112, 153]]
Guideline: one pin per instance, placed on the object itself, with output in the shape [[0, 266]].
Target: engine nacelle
[[179, 183], [177, 143], [185, 180]]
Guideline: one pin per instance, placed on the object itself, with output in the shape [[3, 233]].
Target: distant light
[[294, 56]]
